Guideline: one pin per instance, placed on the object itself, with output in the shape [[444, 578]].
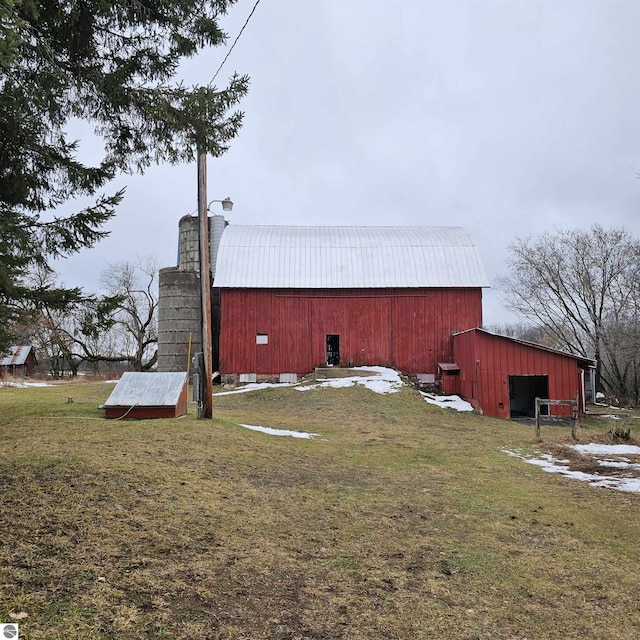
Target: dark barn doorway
[[333, 350], [523, 391]]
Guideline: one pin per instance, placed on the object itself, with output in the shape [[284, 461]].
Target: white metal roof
[[281, 257], [147, 389], [17, 355]]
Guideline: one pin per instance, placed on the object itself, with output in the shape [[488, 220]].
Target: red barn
[[294, 298], [502, 376]]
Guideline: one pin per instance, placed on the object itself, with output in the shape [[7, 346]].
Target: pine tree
[[112, 64]]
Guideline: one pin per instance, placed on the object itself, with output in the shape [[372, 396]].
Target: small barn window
[[262, 338]]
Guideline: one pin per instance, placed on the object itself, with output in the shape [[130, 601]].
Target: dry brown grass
[[400, 520]]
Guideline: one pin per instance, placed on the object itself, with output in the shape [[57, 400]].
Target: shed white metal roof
[[138, 389], [287, 257], [17, 355]]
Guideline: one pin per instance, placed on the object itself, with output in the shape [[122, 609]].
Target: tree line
[[580, 289]]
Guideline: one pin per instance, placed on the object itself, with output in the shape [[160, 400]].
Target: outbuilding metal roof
[[137, 389], [583, 362], [281, 257], [17, 356]]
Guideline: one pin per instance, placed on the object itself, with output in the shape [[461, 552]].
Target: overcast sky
[[507, 118]]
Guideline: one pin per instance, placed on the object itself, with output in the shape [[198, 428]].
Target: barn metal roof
[[284, 257], [18, 355]]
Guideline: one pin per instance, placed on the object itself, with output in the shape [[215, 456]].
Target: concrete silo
[[179, 317]]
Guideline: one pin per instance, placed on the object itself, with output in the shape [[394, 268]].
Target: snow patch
[[619, 464], [447, 402], [608, 449], [279, 432], [255, 386], [383, 380], [551, 465], [24, 385]]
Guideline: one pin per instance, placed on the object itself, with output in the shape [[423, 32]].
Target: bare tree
[[582, 287], [117, 327], [522, 331], [48, 329], [135, 328]]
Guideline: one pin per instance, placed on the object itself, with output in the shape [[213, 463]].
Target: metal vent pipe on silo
[[217, 225]]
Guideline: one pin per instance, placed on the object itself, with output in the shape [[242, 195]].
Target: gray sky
[[507, 118]]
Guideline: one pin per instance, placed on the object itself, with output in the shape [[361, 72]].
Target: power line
[[215, 75]]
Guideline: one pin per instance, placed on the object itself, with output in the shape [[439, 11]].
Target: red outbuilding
[[20, 361], [502, 376]]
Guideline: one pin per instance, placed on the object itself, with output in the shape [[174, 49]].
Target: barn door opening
[[523, 391], [333, 350]]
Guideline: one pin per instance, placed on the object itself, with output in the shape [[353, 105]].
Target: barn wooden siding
[[486, 361], [408, 329]]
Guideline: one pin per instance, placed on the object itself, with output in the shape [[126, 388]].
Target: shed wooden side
[[487, 361]]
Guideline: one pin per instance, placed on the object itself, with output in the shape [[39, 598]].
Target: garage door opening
[[523, 391]]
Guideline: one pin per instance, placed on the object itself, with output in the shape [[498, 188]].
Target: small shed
[[19, 362], [148, 395], [502, 376], [449, 377]]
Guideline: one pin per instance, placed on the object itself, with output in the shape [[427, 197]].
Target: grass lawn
[[399, 520]]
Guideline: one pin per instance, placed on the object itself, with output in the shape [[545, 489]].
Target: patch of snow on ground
[[447, 402], [383, 380], [549, 464], [607, 449], [279, 432], [619, 464], [24, 385], [254, 386]]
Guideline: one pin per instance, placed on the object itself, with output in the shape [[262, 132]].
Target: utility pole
[[206, 410]]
